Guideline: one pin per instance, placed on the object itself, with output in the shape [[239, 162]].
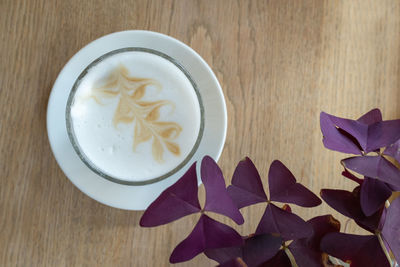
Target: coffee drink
[[135, 115]]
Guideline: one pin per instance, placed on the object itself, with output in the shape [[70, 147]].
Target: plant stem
[[378, 234], [291, 257], [387, 205]]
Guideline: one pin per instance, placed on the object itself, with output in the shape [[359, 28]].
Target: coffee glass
[[171, 129]]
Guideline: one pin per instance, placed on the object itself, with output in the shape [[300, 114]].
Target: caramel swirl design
[[145, 114]]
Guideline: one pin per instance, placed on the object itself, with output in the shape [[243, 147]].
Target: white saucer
[[127, 196]]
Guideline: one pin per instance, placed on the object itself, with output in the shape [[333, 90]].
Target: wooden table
[[279, 63]]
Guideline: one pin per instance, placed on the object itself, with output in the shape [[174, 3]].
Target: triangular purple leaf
[[393, 150], [348, 204], [279, 260], [247, 188], [374, 167], [284, 188], [279, 222], [217, 198], [222, 255], [383, 134], [260, 248], [177, 201], [207, 234], [371, 117], [391, 228], [373, 195], [256, 250], [307, 251], [355, 128], [334, 139], [370, 133], [358, 250]]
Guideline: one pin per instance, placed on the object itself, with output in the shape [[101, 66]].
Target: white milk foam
[[110, 147]]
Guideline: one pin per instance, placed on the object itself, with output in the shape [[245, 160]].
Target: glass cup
[[75, 143]]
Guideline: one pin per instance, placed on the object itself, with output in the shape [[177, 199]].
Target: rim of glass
[[71, 133]]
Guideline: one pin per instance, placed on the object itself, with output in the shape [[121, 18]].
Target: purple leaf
[[284, 188], [393, 187], [238, 262], [207, 234], [393, 150], [334, 139], [217, 198], [358, 250], [382, 220], [307, 251], [373, 195], [370, 133], [355, 128], [177, 201], [374, 167], [383, 134], [222, 255], [348, 204], [247, 188], [371, 117], [352, 177], [256, 250], [280, 260], [260, 248], [391, 228], [289, 226]]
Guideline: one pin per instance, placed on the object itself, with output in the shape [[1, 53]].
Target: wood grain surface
[[279, 63]]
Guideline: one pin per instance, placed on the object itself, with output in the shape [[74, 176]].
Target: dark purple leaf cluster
[[270, 244], [282, 238], [181, 199], [377, 143]]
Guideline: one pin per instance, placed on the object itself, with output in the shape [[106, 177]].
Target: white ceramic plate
[[127, 196]]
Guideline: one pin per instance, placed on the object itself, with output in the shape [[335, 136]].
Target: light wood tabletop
[[280, 63]]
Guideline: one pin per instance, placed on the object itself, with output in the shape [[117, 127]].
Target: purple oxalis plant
[[378, 144], [282, 238]]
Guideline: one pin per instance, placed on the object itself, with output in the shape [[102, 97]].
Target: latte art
[[145, 114], [135, 116]]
